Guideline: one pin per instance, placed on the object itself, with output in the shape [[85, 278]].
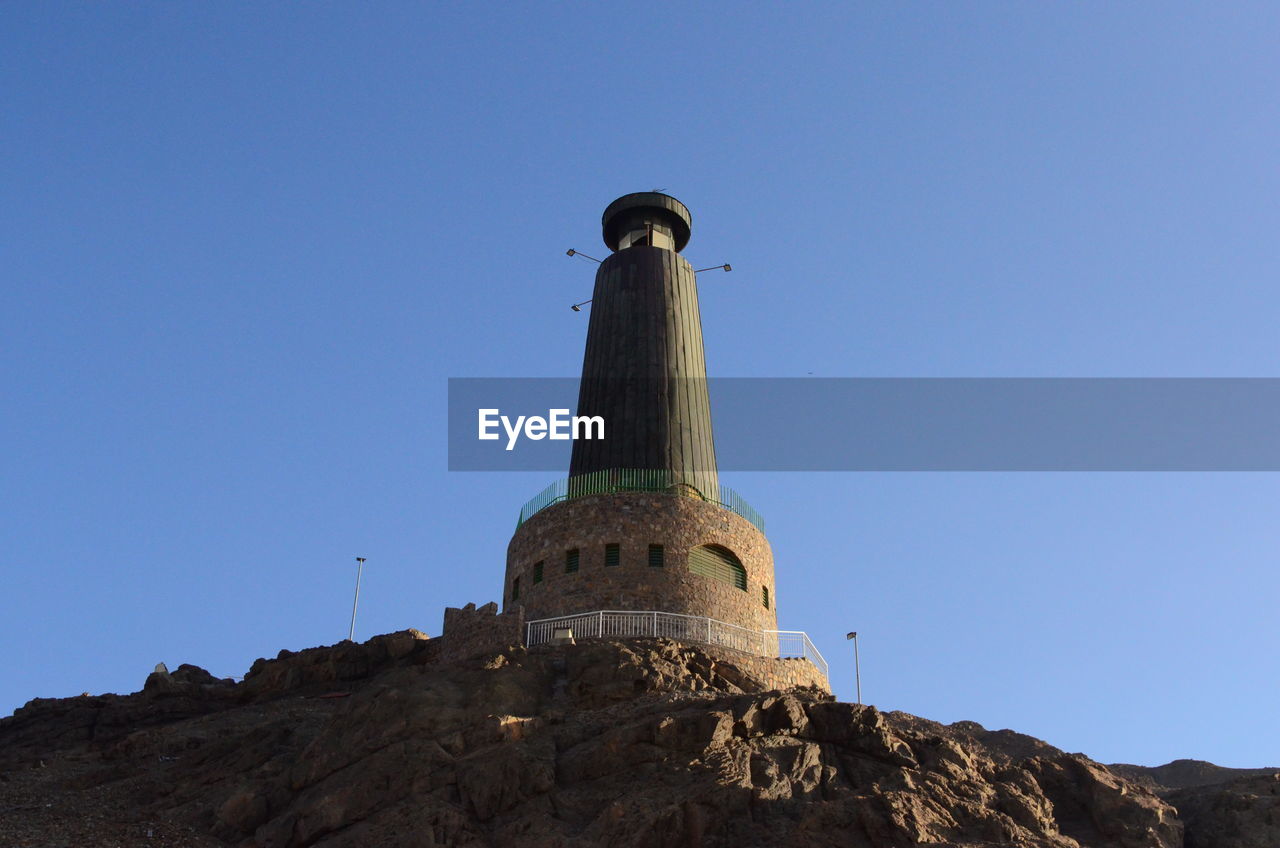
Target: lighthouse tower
[[641, 539]]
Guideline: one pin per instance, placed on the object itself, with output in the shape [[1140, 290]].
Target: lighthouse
[[641, 539]]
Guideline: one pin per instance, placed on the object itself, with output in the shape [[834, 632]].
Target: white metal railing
[[785, 644]]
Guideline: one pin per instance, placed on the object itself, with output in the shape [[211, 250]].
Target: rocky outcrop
[[45, 725], [1240, 813], [642, 743], [1183, 774], [317, 669], [1001, 745]]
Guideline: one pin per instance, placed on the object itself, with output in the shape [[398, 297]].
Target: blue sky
[[245, 245]]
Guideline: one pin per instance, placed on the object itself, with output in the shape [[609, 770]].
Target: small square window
[[656, 556]]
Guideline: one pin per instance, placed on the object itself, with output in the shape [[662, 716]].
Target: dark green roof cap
[[672, 212]]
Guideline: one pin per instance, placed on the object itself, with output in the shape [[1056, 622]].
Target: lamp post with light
[[351, 634], [857, 672]]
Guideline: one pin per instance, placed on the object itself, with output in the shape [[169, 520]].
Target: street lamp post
[[857, 671], [351, 634]]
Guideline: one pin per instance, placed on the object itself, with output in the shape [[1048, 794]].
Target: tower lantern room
[[647, 219]]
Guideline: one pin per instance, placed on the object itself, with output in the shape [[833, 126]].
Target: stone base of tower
[[471, 632], [746, 671], [642, 551]]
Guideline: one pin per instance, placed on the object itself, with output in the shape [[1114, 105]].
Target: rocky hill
[[642, 743], [1184, 774]]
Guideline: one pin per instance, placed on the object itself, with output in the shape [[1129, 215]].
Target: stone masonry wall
[[635, 520], [469, 632]]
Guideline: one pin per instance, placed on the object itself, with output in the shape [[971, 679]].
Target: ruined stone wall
[[470, 632], [634, 521]]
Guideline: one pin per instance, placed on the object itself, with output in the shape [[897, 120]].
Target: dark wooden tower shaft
[[644, 370]]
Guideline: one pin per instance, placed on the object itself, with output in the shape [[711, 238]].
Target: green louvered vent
[[515, 589], [718, 563], [612, 554], [656, 556], [765, 596], [537, 572], [571, 561]]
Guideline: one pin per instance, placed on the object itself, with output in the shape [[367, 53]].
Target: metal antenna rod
[[351, 634], [857, 671]]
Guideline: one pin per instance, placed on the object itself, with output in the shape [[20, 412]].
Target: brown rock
[[647, 743], [241, 813], [1240, 813]]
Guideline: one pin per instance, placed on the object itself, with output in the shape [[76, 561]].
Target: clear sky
[[243, 246]]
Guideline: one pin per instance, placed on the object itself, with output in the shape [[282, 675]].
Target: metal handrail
[[654, 480], [785, 644]]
